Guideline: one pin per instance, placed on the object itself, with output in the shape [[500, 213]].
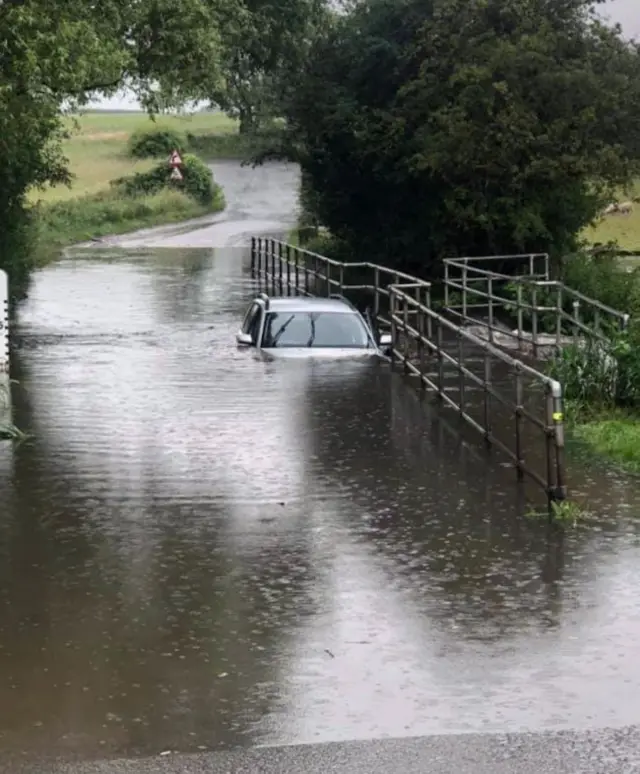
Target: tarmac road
[[593, 752]]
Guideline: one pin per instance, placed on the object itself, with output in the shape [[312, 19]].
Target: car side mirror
[[386, 340], [244, 339]]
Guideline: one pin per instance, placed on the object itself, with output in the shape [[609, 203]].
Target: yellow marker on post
[[557, 416]]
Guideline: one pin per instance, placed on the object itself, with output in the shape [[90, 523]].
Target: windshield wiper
[[313, 330], [281, 330]]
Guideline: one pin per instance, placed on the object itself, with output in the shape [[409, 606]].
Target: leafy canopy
[[429, 128]]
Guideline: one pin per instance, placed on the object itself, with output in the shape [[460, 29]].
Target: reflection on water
[[200, 549]]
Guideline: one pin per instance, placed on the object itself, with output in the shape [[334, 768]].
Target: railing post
[[490, 294], [446, 284], [461, 372], [520, 315], [280, 256], [420, 327], [306, 274], [518, 421], [253, 255], [439, 346], [429, 319], [394, 328], [559, 316], [376, 300], [296, 269], [557, 429], [341, 275], [287, 252], [405, 333], [4, 322], [487, 397], [576, 321], [534, 319], [259, 255], [464, 291], [328, 278]]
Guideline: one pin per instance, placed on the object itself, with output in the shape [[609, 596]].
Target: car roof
[[310, 304]]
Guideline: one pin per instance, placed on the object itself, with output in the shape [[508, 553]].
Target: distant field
[[625, 229], [97, 149]]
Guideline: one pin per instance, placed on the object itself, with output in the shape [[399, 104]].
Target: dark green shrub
[[156, 142], [197, 180]]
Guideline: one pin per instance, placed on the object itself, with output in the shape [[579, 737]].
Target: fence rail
[[531, 297], [511, 405]]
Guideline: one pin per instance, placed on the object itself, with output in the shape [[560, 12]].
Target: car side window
[[250, 317]]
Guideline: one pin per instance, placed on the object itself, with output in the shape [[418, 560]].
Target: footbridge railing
[[546, 312], [511, 405]]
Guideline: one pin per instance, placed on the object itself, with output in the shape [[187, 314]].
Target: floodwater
[[204, 550]]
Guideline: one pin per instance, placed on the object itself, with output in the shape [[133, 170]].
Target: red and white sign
[[175, 160], [176, 174]]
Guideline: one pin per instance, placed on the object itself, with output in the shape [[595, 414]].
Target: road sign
[[176, 174], [175, 160]]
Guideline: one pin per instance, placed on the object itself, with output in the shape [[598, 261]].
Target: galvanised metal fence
[[512, 406]]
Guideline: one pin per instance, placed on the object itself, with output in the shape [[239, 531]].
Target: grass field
[[624, 229], [97, 149]]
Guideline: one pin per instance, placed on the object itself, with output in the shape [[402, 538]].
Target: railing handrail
[[499, 354]]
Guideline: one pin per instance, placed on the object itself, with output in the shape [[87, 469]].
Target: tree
[[466, 127], [266, 43], [62, 53]]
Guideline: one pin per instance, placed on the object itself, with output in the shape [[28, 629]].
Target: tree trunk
[[246, 120]]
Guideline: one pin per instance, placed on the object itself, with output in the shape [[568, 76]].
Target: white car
[[303, 327]]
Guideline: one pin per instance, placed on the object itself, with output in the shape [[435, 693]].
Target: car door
[[252, 322]]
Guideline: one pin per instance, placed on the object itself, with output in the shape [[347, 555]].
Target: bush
[[197, 181], [156, 142]]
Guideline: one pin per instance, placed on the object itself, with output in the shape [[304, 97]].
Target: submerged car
[[296, 327]]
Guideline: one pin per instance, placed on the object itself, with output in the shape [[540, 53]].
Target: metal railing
[[529, 297], [4, 322], [465, 372]]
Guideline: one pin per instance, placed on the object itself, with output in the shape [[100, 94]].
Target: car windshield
[[315, 329]]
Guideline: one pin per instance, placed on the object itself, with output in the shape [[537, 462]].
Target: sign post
[[175, 162]]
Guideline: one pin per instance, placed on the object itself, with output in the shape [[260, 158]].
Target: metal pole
[[439, 346], [559, 315], [280, 254], [558, 424], [490, 294], [487, 397], [520, 315], [253, 255], [576, 321], [518, 420], [296, 269], [288, 258], [405, 333], [534, 320], [394, 331], [460, 371]]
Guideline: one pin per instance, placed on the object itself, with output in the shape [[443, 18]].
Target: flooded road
[[201, 550]]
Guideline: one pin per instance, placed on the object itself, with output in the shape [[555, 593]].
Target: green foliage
[[466, 127], [265, 45], [197, 181], [114, 212], [63, 54], [156, 142]]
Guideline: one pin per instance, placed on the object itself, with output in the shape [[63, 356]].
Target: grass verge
[[68, 222], [615, 437]]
